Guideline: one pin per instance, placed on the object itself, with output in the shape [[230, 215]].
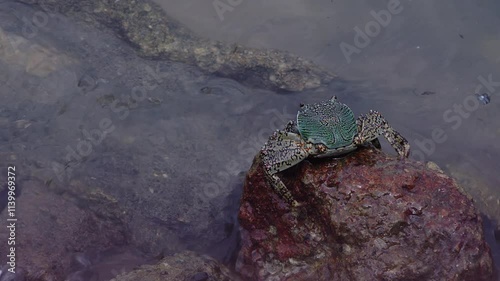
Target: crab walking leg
[[280, 188], [372, 125], [282, 151], [291, 127]]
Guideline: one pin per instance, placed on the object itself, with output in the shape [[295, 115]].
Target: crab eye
[[302, 105]]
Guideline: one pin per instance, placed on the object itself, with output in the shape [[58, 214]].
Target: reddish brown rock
[[367, 216]]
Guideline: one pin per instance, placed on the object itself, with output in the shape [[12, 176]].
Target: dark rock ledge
[[146, 26]]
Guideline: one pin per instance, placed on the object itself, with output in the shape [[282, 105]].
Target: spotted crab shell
[[329, 122]]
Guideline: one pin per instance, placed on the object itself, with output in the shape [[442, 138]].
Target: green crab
[[325, 129]]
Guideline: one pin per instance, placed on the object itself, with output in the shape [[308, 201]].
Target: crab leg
[[283, 150], [372, 125]]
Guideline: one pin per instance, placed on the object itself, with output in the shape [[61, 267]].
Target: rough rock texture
[[367, 216], [146, 26], [186, 266]]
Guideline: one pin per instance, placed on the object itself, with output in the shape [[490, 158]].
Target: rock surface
[[182, 266], [51, 229], [140, 178], [367, 216], [146, 26]]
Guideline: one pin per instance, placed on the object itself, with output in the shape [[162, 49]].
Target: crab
[[324, 129]]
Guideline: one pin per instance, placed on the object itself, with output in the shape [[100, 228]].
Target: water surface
[[173, 163]]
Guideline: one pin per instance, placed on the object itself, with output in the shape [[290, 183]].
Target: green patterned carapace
[[321, 130], [330, 123]]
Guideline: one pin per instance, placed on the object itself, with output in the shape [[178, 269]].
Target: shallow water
[[175, 161], [417, 65]]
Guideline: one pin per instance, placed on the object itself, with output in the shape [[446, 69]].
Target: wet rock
[[158, 193], [145, 25], [475, 184], [51, 230], [35, 59], [367, 216], [186, 266]]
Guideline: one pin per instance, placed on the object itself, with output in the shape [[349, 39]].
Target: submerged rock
[[146, 26], [366, 216], [186, 266], [52, 229]]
